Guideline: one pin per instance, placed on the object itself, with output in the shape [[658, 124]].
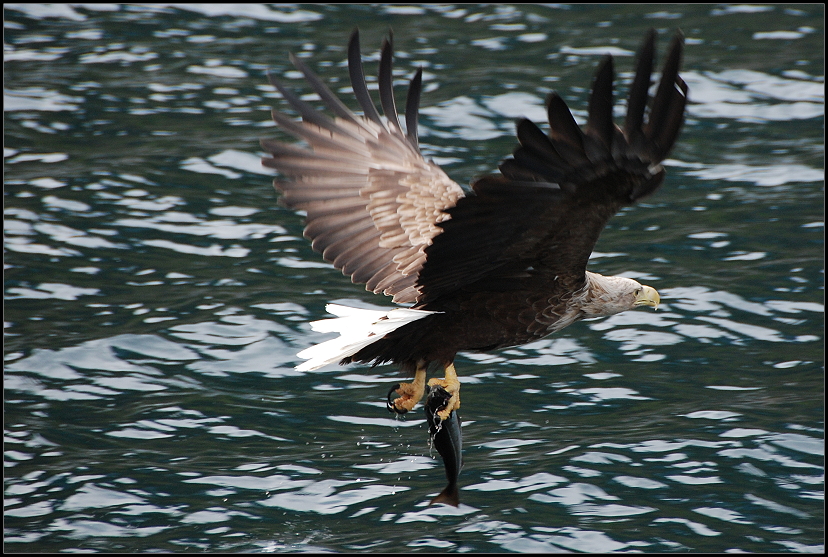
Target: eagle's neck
[[603, 296]]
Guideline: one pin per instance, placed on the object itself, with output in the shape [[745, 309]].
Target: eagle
[[501, 264]]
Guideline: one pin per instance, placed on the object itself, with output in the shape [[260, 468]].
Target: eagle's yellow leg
[[451, 384], [410, 393]]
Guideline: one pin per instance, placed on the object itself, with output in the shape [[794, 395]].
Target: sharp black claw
[[390, 404]]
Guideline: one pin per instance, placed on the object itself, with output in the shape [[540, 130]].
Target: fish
[[447, 437]]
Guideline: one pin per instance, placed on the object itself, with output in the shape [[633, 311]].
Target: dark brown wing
[[540, 219], [373, 202]]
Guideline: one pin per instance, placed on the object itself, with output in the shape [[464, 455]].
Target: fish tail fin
[[357, 329], [449, 496]]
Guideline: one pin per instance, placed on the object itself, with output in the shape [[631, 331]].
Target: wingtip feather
[[600, 125], [357, 75], [412, 108]]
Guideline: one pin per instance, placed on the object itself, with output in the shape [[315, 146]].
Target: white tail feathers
[[357, 329]]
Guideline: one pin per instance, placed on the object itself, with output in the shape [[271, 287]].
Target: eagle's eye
[[637, 292]]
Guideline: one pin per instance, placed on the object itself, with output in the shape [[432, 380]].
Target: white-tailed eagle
[[497, 266]]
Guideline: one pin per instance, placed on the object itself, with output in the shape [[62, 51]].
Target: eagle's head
[[610, 295]]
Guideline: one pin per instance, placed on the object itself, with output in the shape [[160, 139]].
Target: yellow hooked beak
[[647, 296]]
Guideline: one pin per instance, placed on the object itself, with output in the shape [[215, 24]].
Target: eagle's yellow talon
[[410, 393], [452, 385]]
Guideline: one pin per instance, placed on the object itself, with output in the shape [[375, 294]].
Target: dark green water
[[156, 295]]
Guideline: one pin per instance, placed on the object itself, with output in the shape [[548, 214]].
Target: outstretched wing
[[373, 202], [538, 221]]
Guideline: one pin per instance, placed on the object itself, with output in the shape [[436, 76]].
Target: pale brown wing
[[373, 203]]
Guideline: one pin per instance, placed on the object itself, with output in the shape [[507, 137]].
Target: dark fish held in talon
[[447, 438]]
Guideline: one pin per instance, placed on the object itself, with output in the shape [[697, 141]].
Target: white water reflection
[[51, 290], [285, 14], [465, 118], [322, 497], [36, 98], [776, 175], [401, 465], [695, 527], [744, 95]]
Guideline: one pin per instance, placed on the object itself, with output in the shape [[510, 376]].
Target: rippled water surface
[[156, 294]]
